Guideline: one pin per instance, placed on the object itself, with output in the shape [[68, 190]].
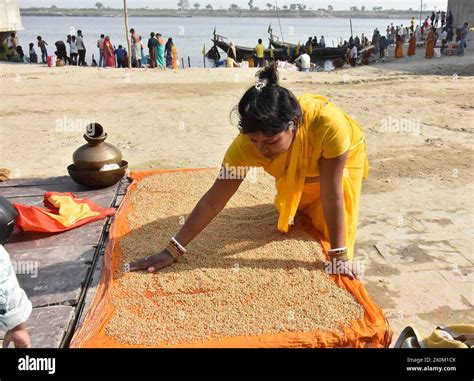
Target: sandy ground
[[416, 218]]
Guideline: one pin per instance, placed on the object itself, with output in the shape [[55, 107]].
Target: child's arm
[[15, 308]]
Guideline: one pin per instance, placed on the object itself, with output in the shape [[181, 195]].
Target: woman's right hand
[[153, 263]]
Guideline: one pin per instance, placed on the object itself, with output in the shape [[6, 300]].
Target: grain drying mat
[[242, 284]]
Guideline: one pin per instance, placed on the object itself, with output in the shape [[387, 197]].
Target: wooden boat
[[243, 52], [318, 53]]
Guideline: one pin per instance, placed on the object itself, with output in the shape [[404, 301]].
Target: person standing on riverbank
[[73, 52], [430, 43], [81, 48], [160, 51], [174, 55], [353, 55], [382, 45], [100, 45], [418, 33], [462, 41], [169, 53], [134, 36], [412, 46], [137, 48], [152, 49], [322, 42], [44, 52], [399, 47], [109, 53], [260, 52]]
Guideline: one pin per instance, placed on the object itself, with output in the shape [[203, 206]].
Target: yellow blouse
[[331, 132]]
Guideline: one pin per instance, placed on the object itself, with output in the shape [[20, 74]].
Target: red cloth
[[64, 211]]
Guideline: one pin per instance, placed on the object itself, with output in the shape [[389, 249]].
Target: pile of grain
[[240, 277]]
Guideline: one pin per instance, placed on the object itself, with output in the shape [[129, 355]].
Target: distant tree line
[[185, 5]]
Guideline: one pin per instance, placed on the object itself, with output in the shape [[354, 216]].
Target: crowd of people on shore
[[159, 54], [437, 32]]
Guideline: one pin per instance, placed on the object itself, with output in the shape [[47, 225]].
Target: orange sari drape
[[430, 45], [412, 47], [399, 48], [175, 59]]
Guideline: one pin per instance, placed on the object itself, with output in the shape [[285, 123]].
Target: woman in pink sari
[[109, 53]]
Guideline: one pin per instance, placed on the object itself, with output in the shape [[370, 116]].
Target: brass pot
[[96, 153]]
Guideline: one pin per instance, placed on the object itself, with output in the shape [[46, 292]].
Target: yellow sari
[[326, 132]]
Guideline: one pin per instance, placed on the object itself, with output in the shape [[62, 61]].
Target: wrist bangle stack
[[175, 249], [178, 245], [339, 253]]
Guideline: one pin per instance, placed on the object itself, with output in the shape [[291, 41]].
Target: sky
[[337, 4]]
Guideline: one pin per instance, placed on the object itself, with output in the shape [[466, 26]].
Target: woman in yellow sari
[[315, 151], [430, 43]]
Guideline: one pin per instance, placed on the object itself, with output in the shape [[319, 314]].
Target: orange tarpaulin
[[373, 330]]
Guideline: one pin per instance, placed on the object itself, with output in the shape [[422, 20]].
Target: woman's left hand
[[342, 267], [348, 268]]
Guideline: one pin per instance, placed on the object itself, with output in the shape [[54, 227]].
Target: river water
[[191, 34]]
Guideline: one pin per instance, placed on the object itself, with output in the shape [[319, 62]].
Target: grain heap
[[240, 277]]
